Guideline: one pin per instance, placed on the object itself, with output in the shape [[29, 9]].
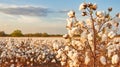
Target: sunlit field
[[45, 52], [30, 51], [59, 33]]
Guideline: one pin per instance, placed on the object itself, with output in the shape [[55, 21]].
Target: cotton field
[[54, 52]]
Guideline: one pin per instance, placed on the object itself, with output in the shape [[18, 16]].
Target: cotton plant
[[94, 35]]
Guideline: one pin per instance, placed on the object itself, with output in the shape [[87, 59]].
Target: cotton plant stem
[[94, 40]]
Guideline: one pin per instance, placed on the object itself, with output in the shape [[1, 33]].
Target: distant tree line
[[18, 33]]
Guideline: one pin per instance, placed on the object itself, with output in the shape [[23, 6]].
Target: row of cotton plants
[[34, 52], [28, 51]]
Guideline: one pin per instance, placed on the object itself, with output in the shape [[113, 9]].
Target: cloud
[[63, 11], [24, 10], [28, 10]]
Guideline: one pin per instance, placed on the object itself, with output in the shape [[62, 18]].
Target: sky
[[32, 16]]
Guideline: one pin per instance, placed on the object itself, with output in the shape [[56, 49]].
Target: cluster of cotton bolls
[[101, 28], [18, 52], [112, 53]]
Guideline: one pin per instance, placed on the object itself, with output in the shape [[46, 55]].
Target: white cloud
[[27, 10]]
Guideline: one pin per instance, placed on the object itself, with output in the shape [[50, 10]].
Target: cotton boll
[[110, 43], [70, 63], [64, 57], [67, 48], [60, 52], [87, 58], [12, 65], [75, 56], [100, 34], [116, 24], [100, 14], [70, 54], [111, 34], [63, 63], [104, 37], [71, 14], [83, 6], [117, 46], [118, 15], [97, 27], [94, 6], [91, 45], [84, 36], [90, 36], [81, 23], [75, 30], [89, 22], [76, 63], [65, 36], [103, 60], [55, 45], [115, 59], [53, 61]]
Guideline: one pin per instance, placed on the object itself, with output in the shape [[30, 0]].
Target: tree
[[2, 33], [96, 36], [44, 35], [16, 33]]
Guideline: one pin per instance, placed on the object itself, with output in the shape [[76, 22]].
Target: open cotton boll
[[63, 63], [90, 36], [100, 34], [94, 7], [64, 57], [100, 14], [75, 56], [104, 37], [56, 45], [75, 30], [87, 59], [76, 63], [91, 45], [82, 6], [81, 23], [89, 22], [65, 36], [111, 34], [97, 27], [67, 48], [103, 60], [70, 54], [115, 59], [71, 14]]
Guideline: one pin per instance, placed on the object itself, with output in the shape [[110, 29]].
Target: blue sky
[[49, 16]]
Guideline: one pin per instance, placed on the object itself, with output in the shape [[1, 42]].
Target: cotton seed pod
[[94, 6], [83, 6], [84, 14], [116, 24], [118, 15], [110, 9], [90, 5]]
